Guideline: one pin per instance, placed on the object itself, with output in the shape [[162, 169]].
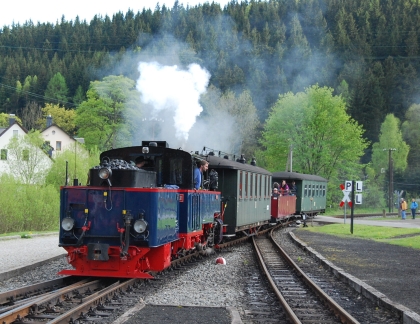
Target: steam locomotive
[[130, 221]]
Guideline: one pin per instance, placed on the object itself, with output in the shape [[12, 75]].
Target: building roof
[[4, 130]]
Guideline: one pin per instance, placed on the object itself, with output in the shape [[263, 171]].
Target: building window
[[58, 146], [15, 132], [3, 154], [25, 155]]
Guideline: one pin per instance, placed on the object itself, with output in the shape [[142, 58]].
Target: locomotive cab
[[163, 167]]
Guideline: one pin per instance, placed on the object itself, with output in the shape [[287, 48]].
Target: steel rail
[[344, 316], [25, 309], [89, 302], [288, 310]]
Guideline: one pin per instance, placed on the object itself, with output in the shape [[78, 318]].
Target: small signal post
[[351, 187]]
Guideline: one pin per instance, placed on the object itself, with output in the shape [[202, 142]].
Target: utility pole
[[391, 177]]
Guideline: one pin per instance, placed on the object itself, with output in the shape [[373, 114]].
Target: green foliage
[[411, 134], [108, 116], [4, 120], [79, 96], [325, 140], [390, 138], [57, 91], [62, 117], [77, 160], [27, 207]]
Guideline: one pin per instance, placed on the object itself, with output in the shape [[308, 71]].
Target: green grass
[[407, 237]]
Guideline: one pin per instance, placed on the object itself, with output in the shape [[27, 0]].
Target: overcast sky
[[50, 11]]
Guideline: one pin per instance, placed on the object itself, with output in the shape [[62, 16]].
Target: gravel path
[[34, 250]]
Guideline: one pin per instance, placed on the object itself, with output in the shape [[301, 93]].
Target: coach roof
[[216, 162]]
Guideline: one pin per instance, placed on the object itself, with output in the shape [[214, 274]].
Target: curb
[[18, 271], [406, 314], [13, 237]]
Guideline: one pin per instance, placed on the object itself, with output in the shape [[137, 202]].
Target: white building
[[58, 139]]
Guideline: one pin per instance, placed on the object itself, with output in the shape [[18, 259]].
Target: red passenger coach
[[282, 207]]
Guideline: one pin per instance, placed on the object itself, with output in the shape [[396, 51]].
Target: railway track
[[77, 299], [84, 300], [301, 299]]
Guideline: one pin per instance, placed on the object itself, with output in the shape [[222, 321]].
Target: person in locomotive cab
[[202, 166], [141, 162], [284, 188]]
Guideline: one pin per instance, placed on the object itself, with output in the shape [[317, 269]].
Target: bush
[[27, 207]]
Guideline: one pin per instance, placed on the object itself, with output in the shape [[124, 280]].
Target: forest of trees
[[366, 51]]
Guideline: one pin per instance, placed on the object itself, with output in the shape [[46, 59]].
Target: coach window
[[267, 188], [309, 190], [323, 190], [317, 189], [305, 191], [251, 189], [240, 184], [259, 186], [246, 184]]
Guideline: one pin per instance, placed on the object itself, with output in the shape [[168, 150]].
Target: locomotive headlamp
[[105, 173], [140, 226], [145, 150], [67, 224]]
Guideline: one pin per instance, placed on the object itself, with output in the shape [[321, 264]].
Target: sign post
[[346, 199], [347, 188], [352, 206]]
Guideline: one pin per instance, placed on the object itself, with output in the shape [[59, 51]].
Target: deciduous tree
[[326, 141], [62, 117], [27, 158], [107, 117]]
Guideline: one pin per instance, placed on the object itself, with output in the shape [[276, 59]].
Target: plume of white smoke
[[171, 91]]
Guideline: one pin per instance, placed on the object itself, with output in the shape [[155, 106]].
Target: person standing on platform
[[413, 207], [403, 208]]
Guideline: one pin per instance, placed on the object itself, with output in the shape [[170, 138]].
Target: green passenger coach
[[246, 192], [311, 191]]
